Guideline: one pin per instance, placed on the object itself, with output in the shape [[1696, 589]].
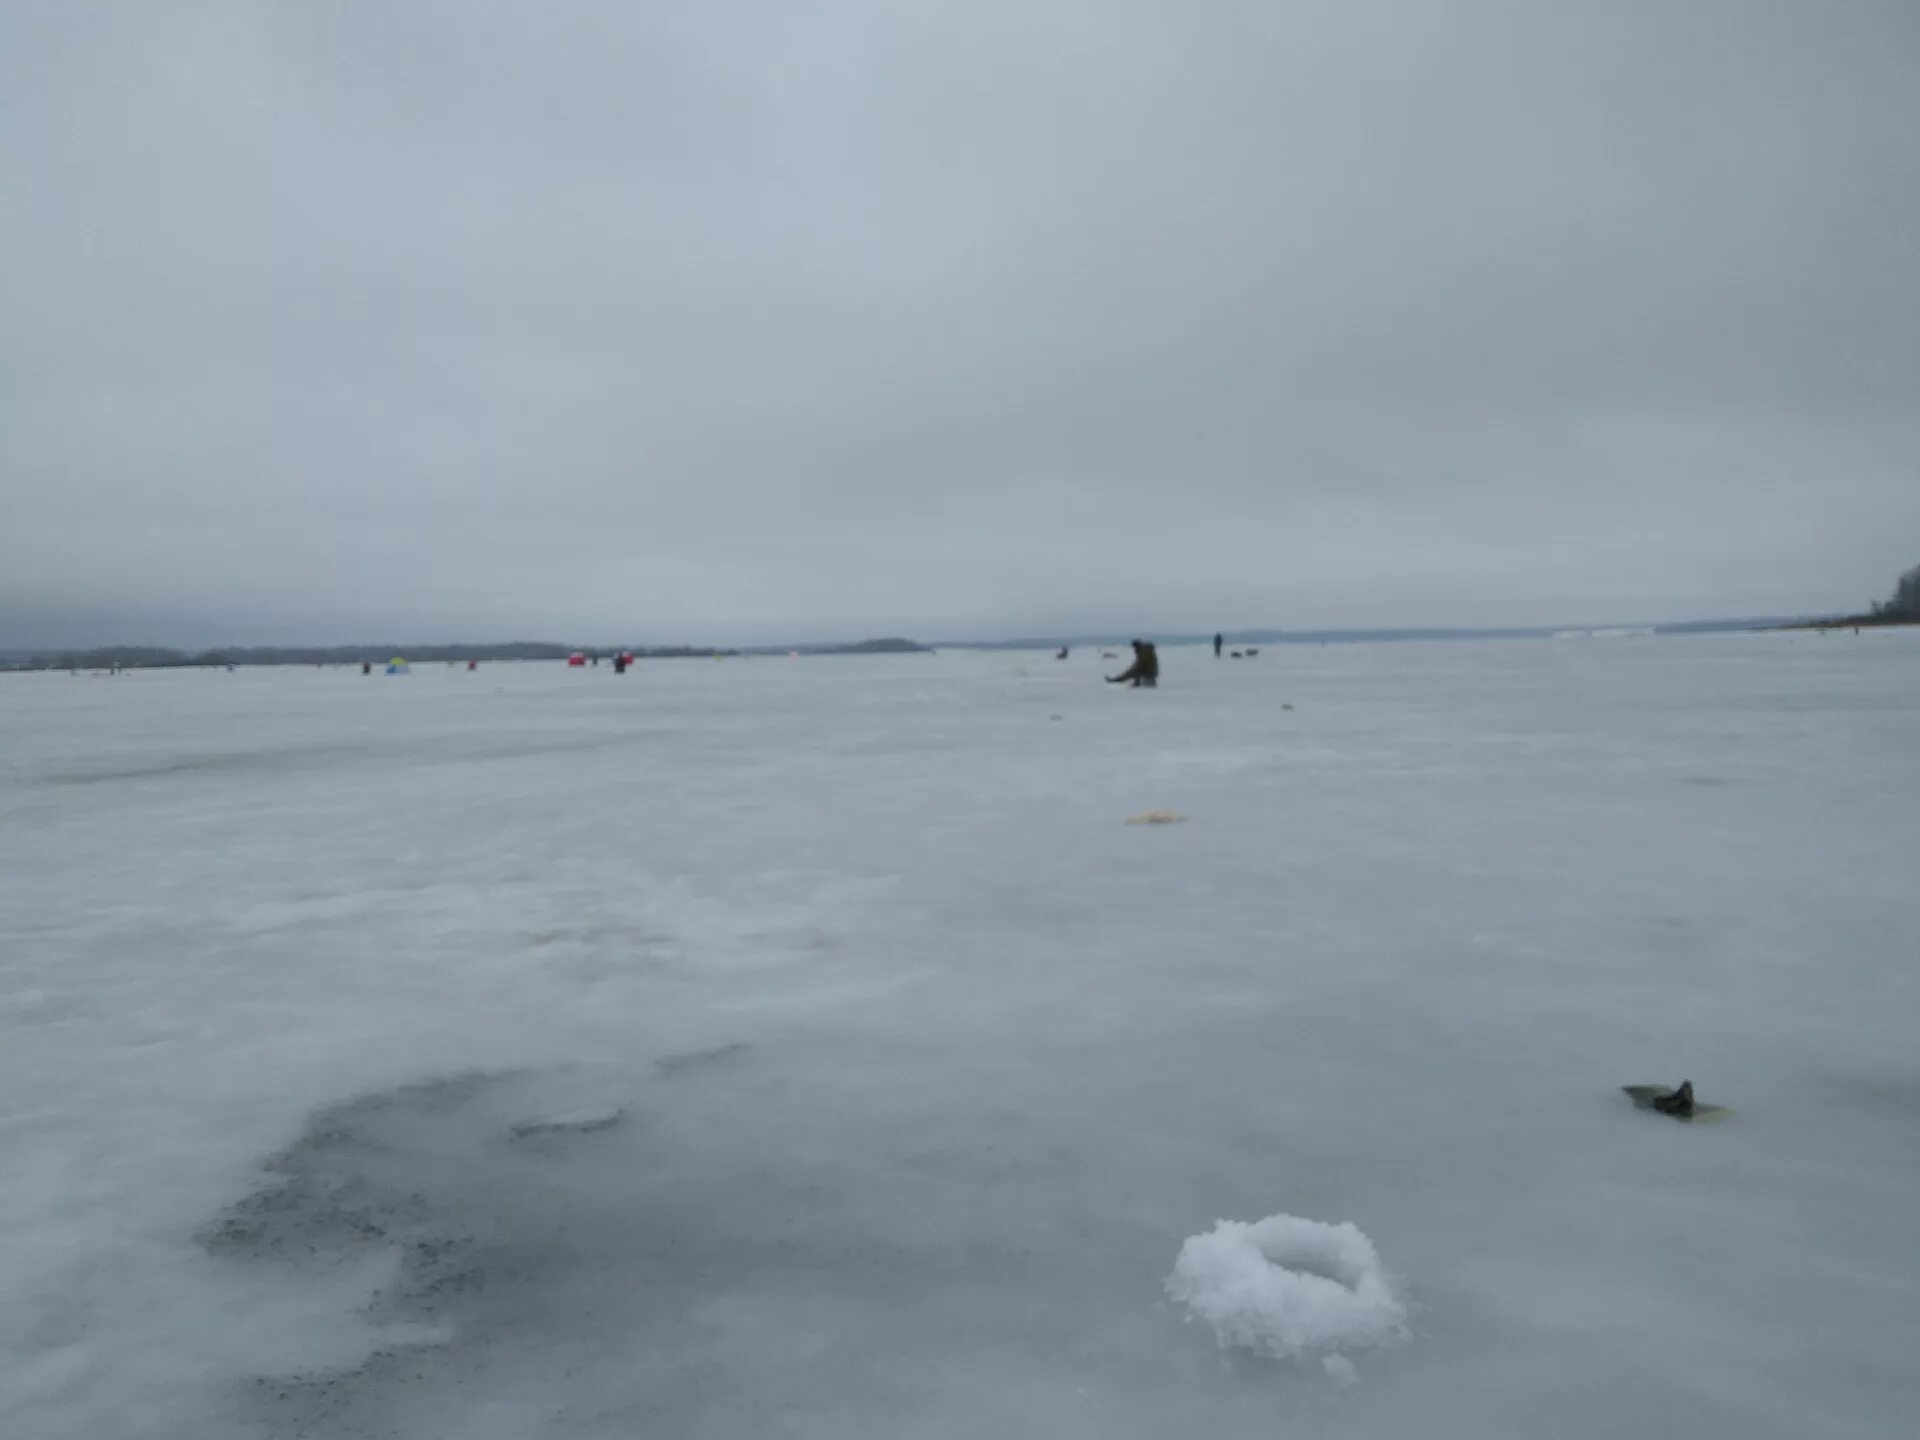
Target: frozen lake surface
[[809, 1048]]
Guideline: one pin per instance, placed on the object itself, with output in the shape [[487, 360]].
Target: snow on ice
[[806, 1048], [1288, 1287]]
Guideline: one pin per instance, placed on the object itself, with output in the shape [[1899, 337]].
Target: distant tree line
[[148, 657], [1901, 608], [1905, 602]]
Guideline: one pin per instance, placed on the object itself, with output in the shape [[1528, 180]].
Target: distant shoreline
[[1858, 622], [154, 657]]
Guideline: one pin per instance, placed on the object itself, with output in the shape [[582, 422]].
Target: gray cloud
[[718, 321]]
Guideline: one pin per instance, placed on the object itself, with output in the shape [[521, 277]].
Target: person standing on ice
[[1145, 670], [1218, 641]]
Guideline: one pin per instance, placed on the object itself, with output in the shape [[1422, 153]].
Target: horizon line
[[1261, 634]]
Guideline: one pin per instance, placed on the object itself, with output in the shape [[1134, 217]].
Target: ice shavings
[[1289, 1287]]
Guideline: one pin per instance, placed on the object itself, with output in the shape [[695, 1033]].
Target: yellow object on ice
[[1157, 817]]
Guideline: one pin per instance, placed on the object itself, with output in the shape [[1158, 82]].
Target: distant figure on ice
[[1145, 670], [1218, 641], [1064, 652], [366, 667], [619, 664], [473, 665]]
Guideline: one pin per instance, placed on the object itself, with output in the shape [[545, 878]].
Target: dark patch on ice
[[354, 1182], [671, 1065], [326, 1196], [541, 747], [431, 1175], [576, 1122], [376, 750], [639, 936], [283, 758], [321, 1401], [670, 1263]]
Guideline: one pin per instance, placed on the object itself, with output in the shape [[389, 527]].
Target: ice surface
[[1289, 1287], [571, 1122], [926, 1065]]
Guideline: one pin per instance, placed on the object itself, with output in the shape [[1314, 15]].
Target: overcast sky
[[467, 318]]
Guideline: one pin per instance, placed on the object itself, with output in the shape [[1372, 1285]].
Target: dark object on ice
[[366, 667], [1109, 655], [1234, 656], [1218, 641], [1145, 670], [619, 664], [1679, 1103], [1251, 652], [1064, 652], [670, 1065], [886, 645], [578, 1122]]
